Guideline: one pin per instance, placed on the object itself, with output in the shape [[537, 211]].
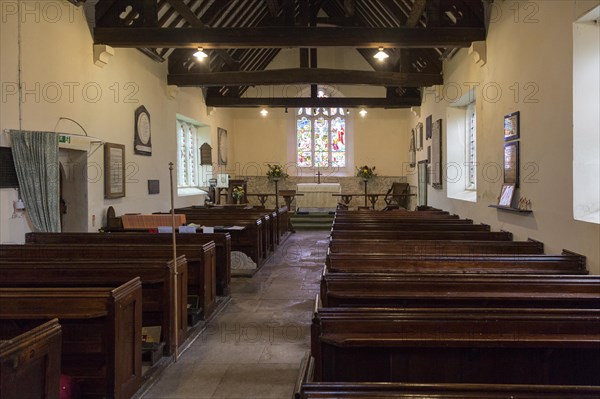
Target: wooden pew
[[222, 246], [373, 390], [101, 332], [480, 346], [432, 226], [200, 260], [249, 240], [258, 225], [271, 218], [342, 215], [567, 263], [442, 247], [460, 290], [156, 277], [423, 235], [30, 361]]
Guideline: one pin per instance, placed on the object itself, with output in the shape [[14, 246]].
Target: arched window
[[321, 137]]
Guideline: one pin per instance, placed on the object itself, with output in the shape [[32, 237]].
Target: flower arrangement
[[276, 172], [238, 192], [365, 172]]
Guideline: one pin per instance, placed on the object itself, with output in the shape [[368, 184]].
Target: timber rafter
[[305, 76], [243, 37], [281, 37]]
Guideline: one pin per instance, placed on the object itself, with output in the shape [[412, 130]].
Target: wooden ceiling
[[243, 36]]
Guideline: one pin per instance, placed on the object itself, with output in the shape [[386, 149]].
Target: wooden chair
[[397, 196]]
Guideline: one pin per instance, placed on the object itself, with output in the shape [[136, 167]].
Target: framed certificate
[[114, 170]]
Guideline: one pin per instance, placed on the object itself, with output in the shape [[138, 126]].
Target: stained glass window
[[321, 140]]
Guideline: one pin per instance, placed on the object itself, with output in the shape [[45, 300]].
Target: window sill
[[467, 195], [188, 191], [590, 218]]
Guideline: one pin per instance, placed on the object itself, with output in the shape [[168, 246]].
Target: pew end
[[539, 243], [582, 260], [305, 375]]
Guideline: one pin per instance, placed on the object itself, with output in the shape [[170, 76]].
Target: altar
[[317, 197]]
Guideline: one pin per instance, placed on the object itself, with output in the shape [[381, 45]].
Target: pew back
[[30, 361], [400, 263], [101, 332], [222, 246], [441, 247], [488, 346], [467, 290], [156, 276]]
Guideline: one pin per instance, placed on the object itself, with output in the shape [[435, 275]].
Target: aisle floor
[[254, 347]]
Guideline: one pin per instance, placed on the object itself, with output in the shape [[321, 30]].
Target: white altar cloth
[[317, 196]]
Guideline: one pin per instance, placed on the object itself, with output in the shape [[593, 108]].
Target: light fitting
[[381, 55], [200, 54], [363, 112], [264, 112]]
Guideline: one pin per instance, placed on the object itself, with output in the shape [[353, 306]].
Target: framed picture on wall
[[511, 163], [428, 125], [506, 195], [511, 126], [114, 170], [419, 135]]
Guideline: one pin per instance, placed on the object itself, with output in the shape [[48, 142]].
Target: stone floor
[[253, 348]]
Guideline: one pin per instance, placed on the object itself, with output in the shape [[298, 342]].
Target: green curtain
[[36, 162]]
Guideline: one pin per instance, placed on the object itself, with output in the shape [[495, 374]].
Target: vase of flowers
[[365, 172], [238, 193], [275, 172]]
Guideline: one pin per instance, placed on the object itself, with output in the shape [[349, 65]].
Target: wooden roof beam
[[305, 76], [302, 102], [279, 37]]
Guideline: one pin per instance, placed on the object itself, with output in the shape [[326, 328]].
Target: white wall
[[530, 50], [56, 55]]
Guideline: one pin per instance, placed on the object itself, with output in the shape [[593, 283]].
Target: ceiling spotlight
[[363, 112], [200, 54], [264, 112], [381, 55]]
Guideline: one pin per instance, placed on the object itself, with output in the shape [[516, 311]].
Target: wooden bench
[[272, 219], [467, 290], [200, 260], [156, 276], [248, 217], [423, 235], [442, 247], [481, 346], [222, 246], [366, 390], [101, 332], [567, 263], [249, 240], [30, 361], [416, 227]]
